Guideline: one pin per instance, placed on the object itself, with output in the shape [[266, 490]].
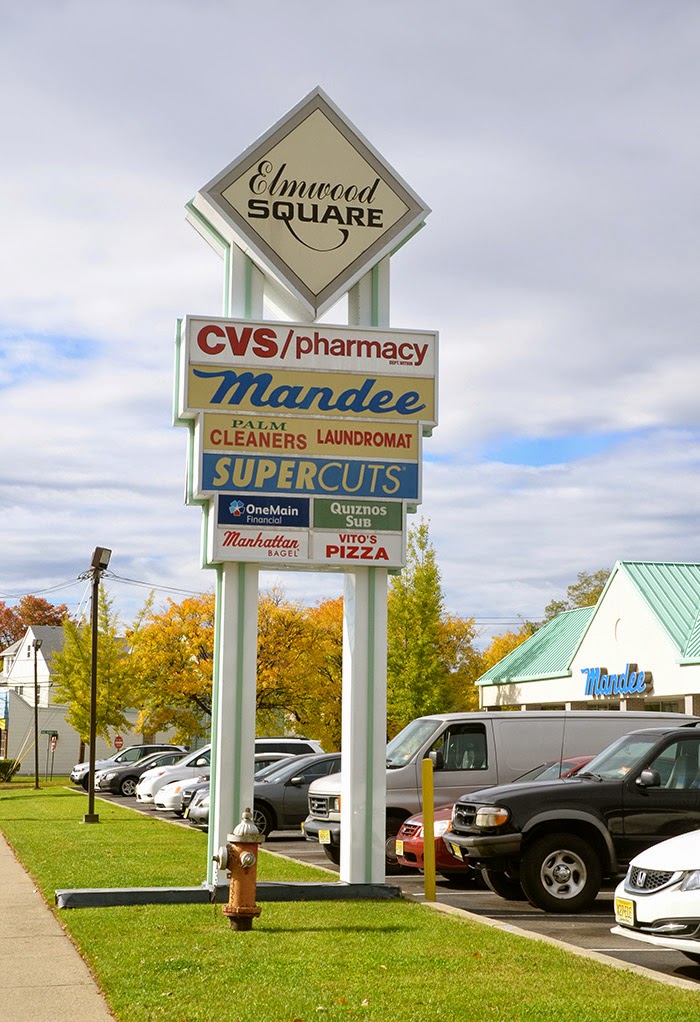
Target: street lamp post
[[100, 560], [37, 646]]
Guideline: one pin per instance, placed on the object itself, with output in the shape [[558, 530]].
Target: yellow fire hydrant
[[240, 858]]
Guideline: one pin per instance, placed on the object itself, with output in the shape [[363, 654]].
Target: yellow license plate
[[399, 847], [624, 911], [455, 849], [324, 837]]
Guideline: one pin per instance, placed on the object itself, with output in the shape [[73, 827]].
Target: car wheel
[[85, 783], [503, 884], [263, 818], [561, 873], [332, 853], [128, 786]]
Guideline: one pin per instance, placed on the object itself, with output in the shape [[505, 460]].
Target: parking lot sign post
[[285, 415]]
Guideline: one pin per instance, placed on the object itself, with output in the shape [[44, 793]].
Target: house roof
[[51, 636], [546, 654], [671, 591]]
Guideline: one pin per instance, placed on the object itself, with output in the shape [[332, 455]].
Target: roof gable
[[672, 593]]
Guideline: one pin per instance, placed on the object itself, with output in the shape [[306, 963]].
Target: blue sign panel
[[308, 476], [242, 509]]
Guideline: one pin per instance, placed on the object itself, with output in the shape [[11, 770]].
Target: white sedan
[[190, 766], [169, 797], [658, 902]]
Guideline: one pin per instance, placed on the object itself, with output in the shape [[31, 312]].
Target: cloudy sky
[[556, 142]]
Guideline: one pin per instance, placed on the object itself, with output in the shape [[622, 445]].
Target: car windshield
[[287, 769], [622, 756], [406, 744], [271, 768]]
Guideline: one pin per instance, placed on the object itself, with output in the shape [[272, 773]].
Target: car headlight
[[439, 828], [109, 776], [691, 881], [334, 804], [491, 816]]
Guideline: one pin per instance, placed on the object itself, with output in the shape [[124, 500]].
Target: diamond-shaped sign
[[313, 202]]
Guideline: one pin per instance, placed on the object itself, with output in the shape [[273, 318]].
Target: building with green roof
[[637, 648]]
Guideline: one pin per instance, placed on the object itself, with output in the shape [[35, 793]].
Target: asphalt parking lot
[[589, 930]]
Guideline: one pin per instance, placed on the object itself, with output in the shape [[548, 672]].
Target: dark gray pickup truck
[[555, 842]]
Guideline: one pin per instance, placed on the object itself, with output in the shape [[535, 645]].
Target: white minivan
[[470, 751]]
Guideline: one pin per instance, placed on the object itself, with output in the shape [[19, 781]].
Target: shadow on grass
[[335, 928]]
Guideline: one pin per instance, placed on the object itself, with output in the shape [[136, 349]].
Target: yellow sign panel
[[331, 437], [289, 392]]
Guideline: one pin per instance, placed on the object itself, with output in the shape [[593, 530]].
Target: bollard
[[240, 858]]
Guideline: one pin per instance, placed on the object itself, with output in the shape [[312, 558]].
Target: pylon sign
[[313, 203], [307, 438]]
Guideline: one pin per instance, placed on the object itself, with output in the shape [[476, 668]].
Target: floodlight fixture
[[100, 558]]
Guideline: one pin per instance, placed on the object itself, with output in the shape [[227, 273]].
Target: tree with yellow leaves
[[172, 656]]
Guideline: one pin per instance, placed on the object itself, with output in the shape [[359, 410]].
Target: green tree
[[582, 593], [431, 661], [71, 668]]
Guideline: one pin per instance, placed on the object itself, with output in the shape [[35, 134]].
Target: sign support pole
[[236, 633], [363, 791]]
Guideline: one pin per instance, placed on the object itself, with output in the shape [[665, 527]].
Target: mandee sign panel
[[313, 202], [252, 368]]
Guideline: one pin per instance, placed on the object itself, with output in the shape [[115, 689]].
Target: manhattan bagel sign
[[313, 203]]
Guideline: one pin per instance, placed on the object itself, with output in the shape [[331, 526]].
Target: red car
[[409, 840], [409, 845]]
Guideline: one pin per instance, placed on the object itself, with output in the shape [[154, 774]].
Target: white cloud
[[556, 146]]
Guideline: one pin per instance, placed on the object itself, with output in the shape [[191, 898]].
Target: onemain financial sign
[[312, 202]]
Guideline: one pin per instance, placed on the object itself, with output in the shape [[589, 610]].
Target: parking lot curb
[[111, 897]]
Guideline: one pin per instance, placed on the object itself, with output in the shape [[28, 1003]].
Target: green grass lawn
[[380, 961]]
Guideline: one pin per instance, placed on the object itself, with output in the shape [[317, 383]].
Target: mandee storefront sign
[[313, 202]]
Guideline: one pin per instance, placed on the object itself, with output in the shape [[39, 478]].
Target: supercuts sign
[[313, 202]]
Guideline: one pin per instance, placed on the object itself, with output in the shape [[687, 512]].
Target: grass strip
[[378, 961]]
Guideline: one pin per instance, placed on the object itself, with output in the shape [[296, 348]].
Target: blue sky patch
[[552, 450]]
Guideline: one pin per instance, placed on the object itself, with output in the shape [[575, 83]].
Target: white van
[[472, 751]]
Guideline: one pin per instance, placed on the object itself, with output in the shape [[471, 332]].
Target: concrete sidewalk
[[44, 977]]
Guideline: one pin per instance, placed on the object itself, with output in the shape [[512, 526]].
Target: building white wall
[[623, 631]]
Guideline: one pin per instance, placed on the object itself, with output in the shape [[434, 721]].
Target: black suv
[[555, 842]]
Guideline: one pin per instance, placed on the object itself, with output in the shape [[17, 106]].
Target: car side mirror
[[297, 781], [438, 760], [649, 779]]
